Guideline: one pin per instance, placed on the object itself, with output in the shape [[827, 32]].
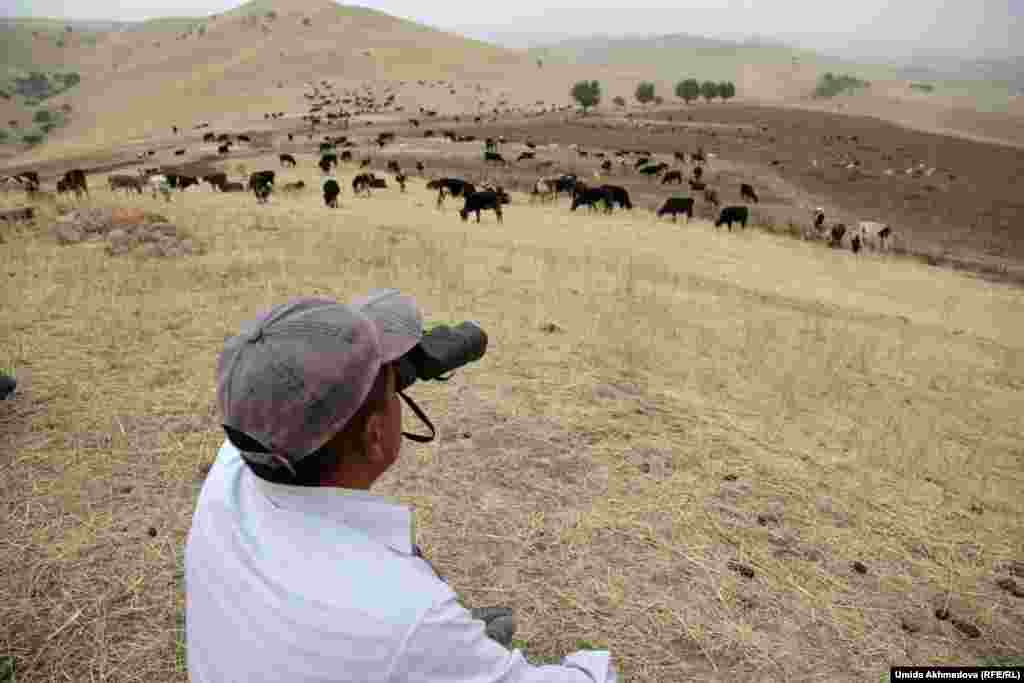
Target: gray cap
[[297, 374]]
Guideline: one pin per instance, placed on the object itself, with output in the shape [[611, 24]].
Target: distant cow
[[294, 187], [747, 192], [526, 155], [363, 181], [619, 196], [482, 201], [216, 180], [591, 196], [836, 235], [331, 192], [327, 161], [697, 186], [209, 137], [676, 206], [874, 234], [419, 167], [224, 149], [495, 157], [855, 244], [287, 160], [819, 219], [179, 152], [243, 138], [733, 214], [680, 157], [672, 177], [565, 183], [346, 155], [232, 187], [365, 162], [74, 181], [450, 186], [262, 184], [131, 183], [698, 172], [606, 165], [394, 167]]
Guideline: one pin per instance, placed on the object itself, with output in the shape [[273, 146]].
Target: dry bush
[[677, 446]]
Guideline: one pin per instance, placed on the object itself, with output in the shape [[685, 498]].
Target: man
[[294, 571]]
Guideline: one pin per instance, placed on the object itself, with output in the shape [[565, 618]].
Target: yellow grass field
[[661, 408]]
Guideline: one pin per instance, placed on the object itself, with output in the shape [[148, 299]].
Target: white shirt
[[320, 584]]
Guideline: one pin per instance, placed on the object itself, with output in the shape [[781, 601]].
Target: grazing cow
[[400, 179], [181, 182], [262, 184], [297, 186], [450, 186], [287, 160], [680, 157], [394, 167], [30, 179], [836, 235], [495, 157], [243, 138], [819, 219], [232, 187], [591, 196], [672, 177], [327, 161], [874, 234], [526, 155], [224, 149], [481, 201], [676, 206], [209, 137], [346, 155], [733, 214], [363, 181], [216, 180], [619, 196], [224, 137], [565, 183], [747, 192], [711, 196], [326, 147], [365, 163], [331, 192], [74, 180], [179, 152], [606, 165], [419, 167], [698, 171], [697, 186], [855, 244], [642, 161], [126, 182]]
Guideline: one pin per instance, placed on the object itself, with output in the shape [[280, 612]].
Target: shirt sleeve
[[449, 646]]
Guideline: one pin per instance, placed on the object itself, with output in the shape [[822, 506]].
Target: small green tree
[[644, 92], [619, 101], [47, 127], [688, 90], [60, 43], [42, 116], [709, 90], [4, 135], [726, 90], [32, 138], [587, 94]]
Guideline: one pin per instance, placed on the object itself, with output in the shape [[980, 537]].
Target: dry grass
[[707, 398]]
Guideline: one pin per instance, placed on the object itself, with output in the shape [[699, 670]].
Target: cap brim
[[397, 318]]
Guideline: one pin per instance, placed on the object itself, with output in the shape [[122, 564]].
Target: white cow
[[874, 234], [160, 183]]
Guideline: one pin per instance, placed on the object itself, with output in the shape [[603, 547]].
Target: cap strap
[[419, 413]]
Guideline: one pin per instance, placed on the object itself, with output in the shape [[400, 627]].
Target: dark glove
[[500, 624]]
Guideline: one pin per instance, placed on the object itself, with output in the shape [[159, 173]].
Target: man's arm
[[449, 646]]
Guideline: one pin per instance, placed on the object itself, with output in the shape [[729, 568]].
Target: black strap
[[419, 413]]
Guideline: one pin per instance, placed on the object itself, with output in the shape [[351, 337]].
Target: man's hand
[[500, 624]]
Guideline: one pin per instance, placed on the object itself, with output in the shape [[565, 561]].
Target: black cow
[[494, 156], [243, 138], [619, 196], [326, 147], [223, 149], [394, 167], [363, 181], [232, 187], [331, 192], [262, 184], [400, 179], [74, 180], [591, 196], [450, 186], [733, 214], [181, 182], [287, 160], [365, 163], [7, 386], [565, 183], [526, 155], [855, 244], [290, 137], [481, 201], [606, 165], [672, 177], [216, 180], [676, 206], [294, 187], [698, 171], [209, 137], [819, 220], [747, 192], [836, 235], [179, 152], [419, 167], [327, 161]]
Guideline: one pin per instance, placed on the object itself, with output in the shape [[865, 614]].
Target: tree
[[42, 116], [644, 92], [619, 101], [726, 90], [587, 94], [32, 138], [709, 90], [688, 90]]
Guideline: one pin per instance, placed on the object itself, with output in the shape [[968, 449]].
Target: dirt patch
[[125, 230]]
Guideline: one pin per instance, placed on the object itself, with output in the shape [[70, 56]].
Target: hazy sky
[[863, 25]]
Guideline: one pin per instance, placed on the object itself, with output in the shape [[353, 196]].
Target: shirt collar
[[381, 518]]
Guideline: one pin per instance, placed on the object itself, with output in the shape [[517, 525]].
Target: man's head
[[308, 390]]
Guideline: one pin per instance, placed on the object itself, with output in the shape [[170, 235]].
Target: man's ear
[[375, 437]]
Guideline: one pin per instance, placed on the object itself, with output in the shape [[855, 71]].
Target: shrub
[[42, 116], [688, 90], [5, 95], [922, 87], [32, 138], [60, 43], [587, 94], [306, 21], [709, 90], [4, 136], [644, 92], [831, 85], [726, 90]]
